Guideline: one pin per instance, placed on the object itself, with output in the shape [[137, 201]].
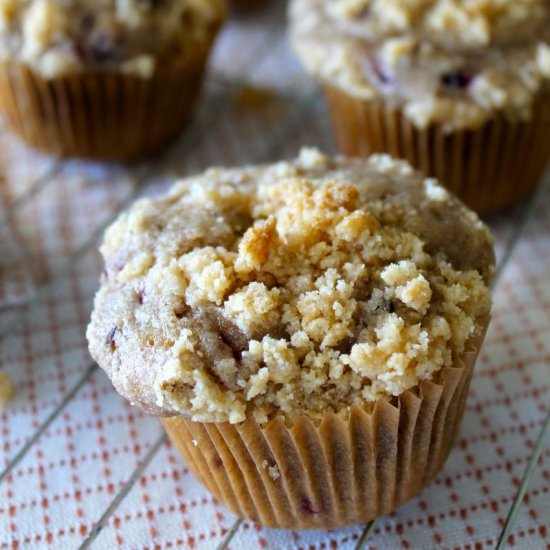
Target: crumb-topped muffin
[[107, 79], [270, 304], [436, 81], [444, 61], [57, 38], [293, 289]]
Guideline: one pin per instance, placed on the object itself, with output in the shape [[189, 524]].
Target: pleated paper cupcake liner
[[489, 168], [336, 472], [104, 115]]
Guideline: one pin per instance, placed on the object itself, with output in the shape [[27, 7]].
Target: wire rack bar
[[231, 533], [524, 485], [34, 189], [363, 540], [142, 466], [44, 292], [520, 229], [525, 218], [47, 423]]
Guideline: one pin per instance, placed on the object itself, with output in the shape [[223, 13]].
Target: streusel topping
[[62, 37], [450, 62], [288, 289]]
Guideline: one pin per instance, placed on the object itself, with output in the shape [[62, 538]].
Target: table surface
[[80, 466]]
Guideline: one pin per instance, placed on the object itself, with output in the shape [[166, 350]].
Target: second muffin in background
[[458, 88], [309, 329], [107, 80]]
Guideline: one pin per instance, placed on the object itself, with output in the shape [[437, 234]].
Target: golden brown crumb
[[6, 390], [288, 289], [273, 471]]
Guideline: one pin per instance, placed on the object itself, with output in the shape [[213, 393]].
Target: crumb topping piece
[[289, 289], [6, 390]]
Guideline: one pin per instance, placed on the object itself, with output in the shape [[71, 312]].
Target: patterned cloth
[[94, 468]]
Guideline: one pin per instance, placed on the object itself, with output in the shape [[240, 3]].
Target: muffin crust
[[288, 289], [450, 62]]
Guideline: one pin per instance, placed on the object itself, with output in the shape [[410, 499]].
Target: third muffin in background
[[107, 79], [460, 89]]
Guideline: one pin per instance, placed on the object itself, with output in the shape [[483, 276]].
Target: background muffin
[[458, 88], [108, 79], [311, 326]]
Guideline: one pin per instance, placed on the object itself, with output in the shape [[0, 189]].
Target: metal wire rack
[[258, 106]]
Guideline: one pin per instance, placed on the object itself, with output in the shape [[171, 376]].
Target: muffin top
[[449, 62], [288, 289], [58, 37]]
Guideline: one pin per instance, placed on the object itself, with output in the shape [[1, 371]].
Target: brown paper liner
[[489, 168], [336, 472], [104, 115]]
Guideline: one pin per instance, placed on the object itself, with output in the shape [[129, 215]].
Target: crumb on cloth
[[6, 390]]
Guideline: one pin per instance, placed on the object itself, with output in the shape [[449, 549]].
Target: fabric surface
[[76, 457]]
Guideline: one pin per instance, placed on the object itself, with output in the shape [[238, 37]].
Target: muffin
[[106, 80], [307, 330], [458, 88]]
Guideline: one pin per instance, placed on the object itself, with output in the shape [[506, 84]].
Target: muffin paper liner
[[103, 115], [336, 472], [489, 168]]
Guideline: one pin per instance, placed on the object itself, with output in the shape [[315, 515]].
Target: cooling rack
[[79, 467]]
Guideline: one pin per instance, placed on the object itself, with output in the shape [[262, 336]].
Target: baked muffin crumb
[[289, 289], [6, 390], [273, 471]]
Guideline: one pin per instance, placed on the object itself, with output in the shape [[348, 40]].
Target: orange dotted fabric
[[77, 457]]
